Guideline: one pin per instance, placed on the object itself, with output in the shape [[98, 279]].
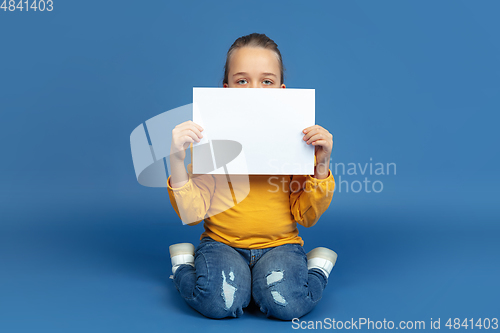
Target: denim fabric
[[225, 279]]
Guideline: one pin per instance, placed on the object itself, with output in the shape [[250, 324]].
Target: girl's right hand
[[182, 136]]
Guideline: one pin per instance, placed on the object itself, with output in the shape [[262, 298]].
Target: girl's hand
[[323, 142], [182, 136]]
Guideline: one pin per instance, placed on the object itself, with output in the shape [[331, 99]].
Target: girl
[[251, 250]]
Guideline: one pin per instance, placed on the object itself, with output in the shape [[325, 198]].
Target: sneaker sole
[[181, 248], [324, 253]]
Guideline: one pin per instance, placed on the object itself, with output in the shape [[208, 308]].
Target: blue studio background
[[84, 247]]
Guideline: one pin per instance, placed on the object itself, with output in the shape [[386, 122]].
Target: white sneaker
[[182, 253], [321, 258]]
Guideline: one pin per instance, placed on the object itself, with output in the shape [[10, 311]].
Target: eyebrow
[[262, 74]]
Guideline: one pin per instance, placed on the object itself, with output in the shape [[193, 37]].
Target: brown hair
[[254, 40]]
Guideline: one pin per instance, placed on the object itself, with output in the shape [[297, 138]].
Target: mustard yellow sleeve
[[192, 200], [310, 198]]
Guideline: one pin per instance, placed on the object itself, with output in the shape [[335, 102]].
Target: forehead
[[254, 59]]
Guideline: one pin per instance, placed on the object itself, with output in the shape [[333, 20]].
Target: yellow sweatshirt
[[267, 217]]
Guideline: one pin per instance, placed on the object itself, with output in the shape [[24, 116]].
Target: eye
[[267, 84], [241, 80]]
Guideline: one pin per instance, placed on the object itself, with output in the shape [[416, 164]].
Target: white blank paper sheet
[[262, 126]]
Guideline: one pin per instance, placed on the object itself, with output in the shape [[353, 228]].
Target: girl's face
[[253, 67]]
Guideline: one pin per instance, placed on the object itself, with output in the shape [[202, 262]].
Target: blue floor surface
[[75, 264]]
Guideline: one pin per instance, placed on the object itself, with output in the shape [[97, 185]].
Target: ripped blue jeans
[[225, 279]]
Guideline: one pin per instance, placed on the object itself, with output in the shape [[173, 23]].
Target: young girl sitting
[[251, 250]]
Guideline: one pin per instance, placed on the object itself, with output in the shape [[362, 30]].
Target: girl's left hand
[[323, 142]]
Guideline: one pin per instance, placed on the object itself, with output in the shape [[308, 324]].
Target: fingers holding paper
[[322, 140], [182, 136]]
